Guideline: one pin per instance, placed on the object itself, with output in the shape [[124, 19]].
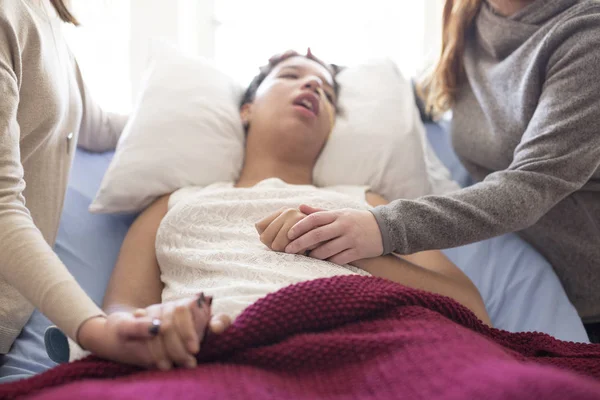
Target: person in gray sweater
[[522, 79]]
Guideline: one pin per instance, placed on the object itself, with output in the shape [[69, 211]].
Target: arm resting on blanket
[[135, 281], [399, 270], [428, 270]]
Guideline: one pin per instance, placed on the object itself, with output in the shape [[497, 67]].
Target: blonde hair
[[438, 89], [63, 12]]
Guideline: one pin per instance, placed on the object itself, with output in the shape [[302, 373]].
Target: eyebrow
[[298, 68]]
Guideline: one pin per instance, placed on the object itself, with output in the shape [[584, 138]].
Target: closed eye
[[329, 97], [289, 76]]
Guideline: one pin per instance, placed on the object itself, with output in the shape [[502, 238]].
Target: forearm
[[30, 266], [135, 281], [507, 201], [408, 274], [129, 296]]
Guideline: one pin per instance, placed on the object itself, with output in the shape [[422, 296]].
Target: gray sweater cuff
[[383, 228]]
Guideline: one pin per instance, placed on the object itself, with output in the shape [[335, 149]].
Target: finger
[[306, 209], [156, 347], [311, 222], [314, 237], [140, 312], [175, 345], [331, 248], [269, 234], [184, 324], [201, 315], [219, 324], [281, 240], [159, 354], [345, 257], [130, 327], [311, 248], [265, 222]]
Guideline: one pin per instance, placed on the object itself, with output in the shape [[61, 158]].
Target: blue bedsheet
[[520, 290]]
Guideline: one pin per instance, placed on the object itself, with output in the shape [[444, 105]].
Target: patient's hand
[[175, 340], [183, 326], [339, 236], [273, 229]]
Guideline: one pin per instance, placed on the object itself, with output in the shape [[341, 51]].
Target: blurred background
[[112, 45]]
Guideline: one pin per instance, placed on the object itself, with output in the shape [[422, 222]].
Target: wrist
[[116, 308], [89, 331]]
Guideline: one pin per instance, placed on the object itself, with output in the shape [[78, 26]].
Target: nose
[[313, 83]]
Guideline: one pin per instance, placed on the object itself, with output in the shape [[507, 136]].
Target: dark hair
[[63, 12], [273, 62]]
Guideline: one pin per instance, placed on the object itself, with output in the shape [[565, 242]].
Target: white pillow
[[375, 141], [186, 131]]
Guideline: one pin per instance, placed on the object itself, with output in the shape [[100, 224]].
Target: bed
[[519, 287]]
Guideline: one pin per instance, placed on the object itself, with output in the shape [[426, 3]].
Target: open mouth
[[308, 101]]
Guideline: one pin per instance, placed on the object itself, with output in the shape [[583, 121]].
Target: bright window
[[113, 42], [339, 31], [101, 45]]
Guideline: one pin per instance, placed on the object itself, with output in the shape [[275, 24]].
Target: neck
[[507, 8], [257, 169]]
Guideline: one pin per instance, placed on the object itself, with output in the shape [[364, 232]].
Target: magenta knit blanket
[[348, 337]]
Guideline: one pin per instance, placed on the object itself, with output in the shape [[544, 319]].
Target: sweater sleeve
[[557, 155], [27, 262], [99, 130]]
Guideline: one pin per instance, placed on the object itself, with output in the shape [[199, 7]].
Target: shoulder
[[14, 14], [16, 24], [186, 193], [576, 34], [583, 13]]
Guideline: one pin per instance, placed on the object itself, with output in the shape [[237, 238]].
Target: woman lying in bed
[[208, 239]]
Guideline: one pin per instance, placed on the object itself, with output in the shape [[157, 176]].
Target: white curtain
[[240, 35]]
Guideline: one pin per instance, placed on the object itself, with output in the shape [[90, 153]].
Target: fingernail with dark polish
[[209, 300], [201, 300], [155, 327]]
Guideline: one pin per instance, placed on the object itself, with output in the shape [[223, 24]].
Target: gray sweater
[[526, 124]]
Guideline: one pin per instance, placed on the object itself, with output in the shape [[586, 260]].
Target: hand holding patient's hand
[[273, 229], [160, 336], [183, 326], [339, 236]]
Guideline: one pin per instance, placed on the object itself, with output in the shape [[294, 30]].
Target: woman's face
[[295, 102]]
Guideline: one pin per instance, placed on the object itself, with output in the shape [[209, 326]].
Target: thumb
[[306, 209]]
